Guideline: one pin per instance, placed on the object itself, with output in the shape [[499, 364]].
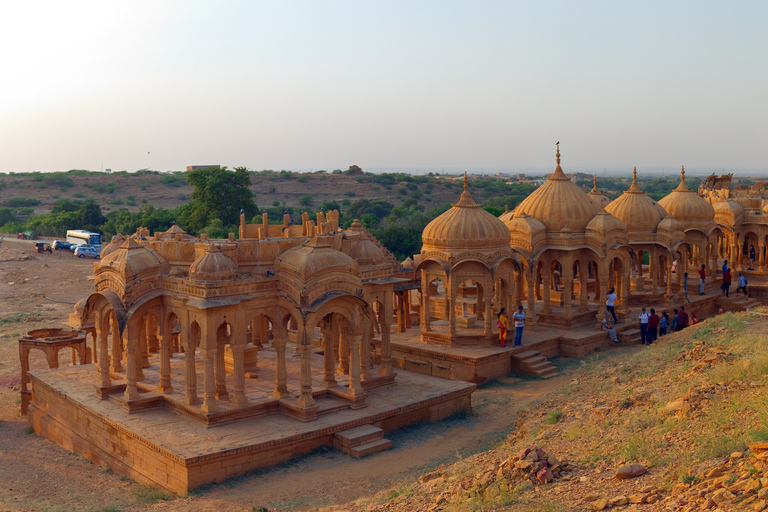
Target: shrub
[[20, 202], [303, 178], [305, 200], [350, 193], [553, 417], [173, 180]]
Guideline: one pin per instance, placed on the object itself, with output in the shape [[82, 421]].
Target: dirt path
[[35, 474]]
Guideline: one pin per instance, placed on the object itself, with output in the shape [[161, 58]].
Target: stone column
[[424, 303], [761, 256], [165, 363], [209, 379], [530, 316], [668, 295], [452, 305], [355, 388], [131, 361], [305, 378], [365, 351], [103, 334], [547, 306], [117, 346], [142, 348], [329, 354], [567, 293], [281, 374], [602, 277], [238, 355], [583, 301], [343, 368], [385, 322], [487, 299], [220, 371], [190, 371]]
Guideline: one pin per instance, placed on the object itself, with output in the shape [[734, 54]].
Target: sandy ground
[[35, 474]]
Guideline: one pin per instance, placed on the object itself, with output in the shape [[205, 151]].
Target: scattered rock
[[631, 471]]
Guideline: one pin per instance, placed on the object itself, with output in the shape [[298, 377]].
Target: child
[[663, 324]]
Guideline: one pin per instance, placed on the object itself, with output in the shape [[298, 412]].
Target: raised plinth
[[159, 446]]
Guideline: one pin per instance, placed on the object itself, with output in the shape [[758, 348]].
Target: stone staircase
[[630, 336], [533, 363], [361, 441], [737, 302]]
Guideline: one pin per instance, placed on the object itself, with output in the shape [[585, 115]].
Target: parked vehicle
[[87, 251], [75, 246], [43, 247], [60, 245]]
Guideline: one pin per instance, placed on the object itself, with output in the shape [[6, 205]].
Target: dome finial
[[506, 208], [594, 180], [682, 173], [634, 175], [557, 153], [465, 181]]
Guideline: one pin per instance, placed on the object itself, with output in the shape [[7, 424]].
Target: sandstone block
[[600, 504], [619, 501]]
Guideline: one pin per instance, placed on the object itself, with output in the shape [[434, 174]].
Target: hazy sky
[[396, 84]]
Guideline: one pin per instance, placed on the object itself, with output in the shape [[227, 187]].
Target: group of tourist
[[503, 324], [741, 280], [652, 325]]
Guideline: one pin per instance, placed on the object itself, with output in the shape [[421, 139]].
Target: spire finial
[[465, 181], [506, 208], [557, 154], [634, 175], [682, 173], [594, 180]]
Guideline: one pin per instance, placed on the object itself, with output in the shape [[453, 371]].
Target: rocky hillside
[[679, 425]]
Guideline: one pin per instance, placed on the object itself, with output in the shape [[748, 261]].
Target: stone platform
[[163, 446]]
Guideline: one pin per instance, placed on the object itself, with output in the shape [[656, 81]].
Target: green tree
[[90, 217], [219, 194]]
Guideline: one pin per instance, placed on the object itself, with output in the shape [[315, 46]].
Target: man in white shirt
[[644, 316], [519, 319], [610, 300]]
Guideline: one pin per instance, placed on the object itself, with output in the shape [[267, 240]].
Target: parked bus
[[82, 237]]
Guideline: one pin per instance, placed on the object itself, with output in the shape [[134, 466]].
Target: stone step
[[369, 448], [540, 365], [526, 354], [533, 360], [548, 373], [346, 440]]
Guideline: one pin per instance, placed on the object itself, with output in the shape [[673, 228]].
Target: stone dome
[[604, 223], [112, 246], [597, 195], [365, 251], [526, 225], [639, 211], [507, 215], [213, 265], [686, 205], [317, 256], [559, 203], [465, 226], [133, 260], [729, 206]]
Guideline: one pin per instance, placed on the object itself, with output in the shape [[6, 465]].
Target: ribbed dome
[[635, 208], [112, 246], [604, 223], [133, 258], [597, 195], [465, 226], [686, 205], [366, 251], [316, 256], [213, 265], [559, 203], [526, 225], [728, 206]]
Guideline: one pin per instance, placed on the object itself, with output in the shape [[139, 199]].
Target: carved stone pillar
[[279, 339], [546, 307], [761, 256], [209, 380], [530, 316], [305, 377], [365, 351], [583, 304], [567, 294], [329, 354], [602, 278], [131, 361], [424, 302], [487, 300], [355, 388], [190, 372], [668, 295], [221, 371], [452, 307], [238, 355], [103, 333], [385, 322], [165, 363], [343, 368], [117, 346]]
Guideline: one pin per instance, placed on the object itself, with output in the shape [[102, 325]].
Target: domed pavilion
[[697, 218], [597, 196], [650, 231], [468, 272], [572, 250]]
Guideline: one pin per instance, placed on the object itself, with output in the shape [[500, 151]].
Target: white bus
[[82, 237]]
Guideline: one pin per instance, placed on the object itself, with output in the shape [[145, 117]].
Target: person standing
[[702, 278], [685, 286], [751, 257], [663, 324], [726, 287], [610, 300], [725, 266], [653, 326], [644, 326], [682, 319], [675, 319], [519, 319], [742, 282], [503, 324]]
